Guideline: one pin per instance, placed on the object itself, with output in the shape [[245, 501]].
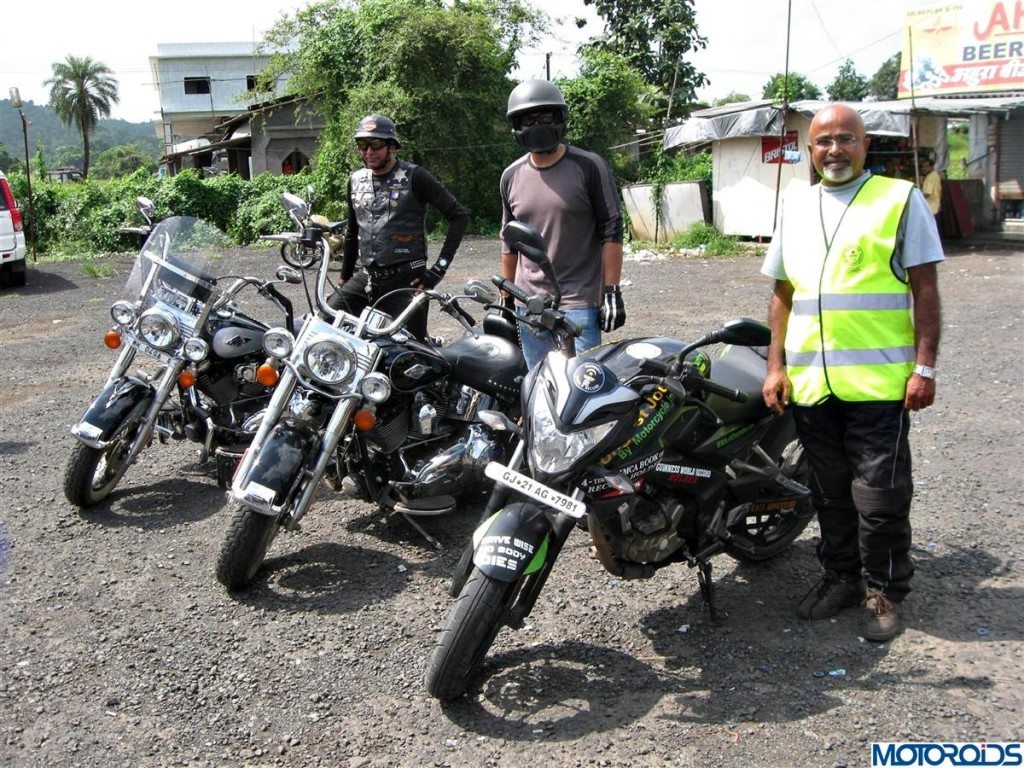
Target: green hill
[[63, 146]]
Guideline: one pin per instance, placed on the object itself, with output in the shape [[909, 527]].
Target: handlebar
[[540, 306], [682, 382]]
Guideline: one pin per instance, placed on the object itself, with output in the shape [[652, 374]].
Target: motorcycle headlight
[[123, 312], [278, 343], [158, 328], [553, 451], [375, 387], [196, 349], [329, 361]]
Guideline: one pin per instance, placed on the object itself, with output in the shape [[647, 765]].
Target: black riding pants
[[360, 291], [859, 455]]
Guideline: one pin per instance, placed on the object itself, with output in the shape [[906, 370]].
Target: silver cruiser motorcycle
[[197, 377], [371, 411], [663, 455]]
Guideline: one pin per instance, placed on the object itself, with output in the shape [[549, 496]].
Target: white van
[[12, 237]]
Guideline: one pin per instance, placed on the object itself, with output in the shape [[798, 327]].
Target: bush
[[715, 243]]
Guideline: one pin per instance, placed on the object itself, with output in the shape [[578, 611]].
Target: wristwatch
[[925, 371]]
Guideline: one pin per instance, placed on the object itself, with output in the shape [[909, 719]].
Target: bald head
[[839, 144]]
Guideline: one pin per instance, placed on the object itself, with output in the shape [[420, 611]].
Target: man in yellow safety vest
[[855, 316]]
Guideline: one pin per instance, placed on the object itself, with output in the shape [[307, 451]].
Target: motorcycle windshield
[[178, 261]]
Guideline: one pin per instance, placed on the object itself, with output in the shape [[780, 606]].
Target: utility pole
[[547, 64], [31, 230]]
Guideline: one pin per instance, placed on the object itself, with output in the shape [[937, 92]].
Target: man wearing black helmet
[[569, 195], [387, 206]]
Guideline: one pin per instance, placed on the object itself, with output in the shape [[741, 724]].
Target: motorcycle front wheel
[[245, 547], [299, 255], [772, 534], [469, 633], [92, 473]]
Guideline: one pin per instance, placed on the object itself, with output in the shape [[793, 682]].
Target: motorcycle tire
[[299, 256], [245, 547], [92, 473], [474, 622], [772, 541]]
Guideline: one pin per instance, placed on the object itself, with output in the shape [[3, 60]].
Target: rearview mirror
[[744, 332], [289, 275], [480, 292], [146, 207], [295, 205], [526, 240]]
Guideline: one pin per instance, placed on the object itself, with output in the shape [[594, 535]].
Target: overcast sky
[[746, 40]]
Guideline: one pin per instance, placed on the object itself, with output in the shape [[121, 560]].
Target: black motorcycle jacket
[[386, 218]]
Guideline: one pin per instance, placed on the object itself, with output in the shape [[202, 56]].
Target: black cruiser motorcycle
[[371, 411], [201, 353], [661, 454]]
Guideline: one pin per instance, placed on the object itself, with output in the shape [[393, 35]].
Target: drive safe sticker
[[506, 552]]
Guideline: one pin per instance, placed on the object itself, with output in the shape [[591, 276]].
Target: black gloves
[[431, 277], [613, 311]]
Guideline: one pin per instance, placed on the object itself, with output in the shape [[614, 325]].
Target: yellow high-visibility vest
[[850, 332]]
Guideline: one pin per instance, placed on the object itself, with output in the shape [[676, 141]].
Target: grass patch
[[701, 236], [98, 269]]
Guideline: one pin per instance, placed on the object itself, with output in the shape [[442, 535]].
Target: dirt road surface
[[120, 649]]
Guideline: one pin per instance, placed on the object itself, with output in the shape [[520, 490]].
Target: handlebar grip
[[512, 288], [727, 392]]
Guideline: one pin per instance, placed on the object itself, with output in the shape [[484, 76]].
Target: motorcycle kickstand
[[420, 530], [708, 591]]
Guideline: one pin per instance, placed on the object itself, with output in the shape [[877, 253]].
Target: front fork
[[333, 433], [163, 390]]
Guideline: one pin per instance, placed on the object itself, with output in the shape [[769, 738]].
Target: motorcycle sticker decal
[[658, 404], [682, 475], [506, 552], [589, 377], [643, 350], [597, 484]]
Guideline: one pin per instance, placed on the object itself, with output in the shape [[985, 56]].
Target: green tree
[[655, 36], [605, 102], [796, 87], [81, 92], [884, 84], [7, 162], [849, 84], [120, 161], [733, 97], [439, 70], [40, 162]]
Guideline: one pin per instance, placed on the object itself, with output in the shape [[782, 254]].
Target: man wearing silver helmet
[[569, 195], [387, 208]]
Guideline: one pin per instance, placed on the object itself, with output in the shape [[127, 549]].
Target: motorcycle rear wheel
[[474, 622], [245, 547], [300, 256], [92, 473], [772, 540]]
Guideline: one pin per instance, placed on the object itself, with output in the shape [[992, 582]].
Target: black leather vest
[[390, 217]]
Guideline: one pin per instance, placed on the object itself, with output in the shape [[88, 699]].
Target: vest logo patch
[[853, 257], [401, 237]]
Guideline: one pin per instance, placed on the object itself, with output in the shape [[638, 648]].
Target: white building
[[201, 84]]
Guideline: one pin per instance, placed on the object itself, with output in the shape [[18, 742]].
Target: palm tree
[[81, 92]]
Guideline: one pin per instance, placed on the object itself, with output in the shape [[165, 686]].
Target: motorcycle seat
[[488, 363]]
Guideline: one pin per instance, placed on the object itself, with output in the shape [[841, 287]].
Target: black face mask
[[541, 138]]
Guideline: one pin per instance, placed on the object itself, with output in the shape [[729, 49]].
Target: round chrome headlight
[[375, 387], [123, 312], [278, 343], [158, 328], [329, 362], [196, 349]]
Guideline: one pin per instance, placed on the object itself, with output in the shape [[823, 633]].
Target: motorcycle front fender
[[513, 543], [277, 468], [119, 401]]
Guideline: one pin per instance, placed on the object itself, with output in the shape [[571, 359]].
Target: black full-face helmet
[[377, 127], [537, 96]]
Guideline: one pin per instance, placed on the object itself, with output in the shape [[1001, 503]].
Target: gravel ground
[[119, 647]]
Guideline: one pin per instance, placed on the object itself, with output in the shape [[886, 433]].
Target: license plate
[[534, 490]]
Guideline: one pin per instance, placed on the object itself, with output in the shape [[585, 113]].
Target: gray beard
[[839, 177]]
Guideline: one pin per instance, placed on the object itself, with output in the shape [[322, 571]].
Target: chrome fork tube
[[163, 390], [282, 394], [124, 360], [333, 433]]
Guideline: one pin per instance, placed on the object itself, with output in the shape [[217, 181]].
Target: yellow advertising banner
[[970, 46]]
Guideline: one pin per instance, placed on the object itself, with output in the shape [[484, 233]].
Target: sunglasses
[[541, 118], [365, 144]]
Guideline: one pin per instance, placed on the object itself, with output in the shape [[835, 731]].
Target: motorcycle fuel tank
[[412, 366], [236, 337]]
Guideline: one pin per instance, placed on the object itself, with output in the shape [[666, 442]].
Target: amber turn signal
[[112, 339], [187, 378], [364, 420], [267, 375]]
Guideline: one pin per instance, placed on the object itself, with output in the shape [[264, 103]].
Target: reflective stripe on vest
[[850, 332]]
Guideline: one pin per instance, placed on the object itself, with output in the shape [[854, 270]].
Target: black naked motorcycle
[[665, 457], [365, 407], [204, 354]]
